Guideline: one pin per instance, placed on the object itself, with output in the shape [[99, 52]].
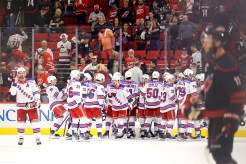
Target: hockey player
[[95, 101], [167, 109], [152, 95], [132, 86], [27, 102], [121, 101], [75, 102], [55, 104], [141, 105], [186, 88], [15, 40]]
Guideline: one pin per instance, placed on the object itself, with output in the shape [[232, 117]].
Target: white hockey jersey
[[54, 96], [16, 40], [141, 104], [152, 94], [26, 93], [95, 95], [64, 50], [39, 58], [186, 88], [121, 98], [132, 86], [168, 98], [74, 91], [110, 86]]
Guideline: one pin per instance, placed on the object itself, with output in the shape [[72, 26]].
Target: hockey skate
[[197, 137], [99, 135], [119, 135], [181, 137], [21, 140], [53, 135], [161, 135], [68, 136], [38, 141], [84, 137], [75, 137], [169, 136], [106, 134], [88, 133], [131, 134], [148, 134], [142, 134], [153, 135], [189, 136]]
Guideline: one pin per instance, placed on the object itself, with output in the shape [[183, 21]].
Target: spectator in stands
[[92, 66], [45, 4], [221, 18], [42, 21], [82, 64], [174, 34], [42, 81], [83, 42], [4, 82], [155, 66], [183, 61], [80, 12], [94, 19], [38, 57], [140, 35], [125, 13], [89, 57], [57, 22], [72, 66], [113, 63], [12, 11], [58, 5], [112, 13], [116, 25], [106, 41], [101, 68], [143, 65], [156, 10], [189, 9], [137, 73], [126, 36], [196, 59], [15, 40], [141, 11], [129, 62], [47, 61], [154, 31], [64, 47], [186, 32], [241, 45], [30, 8], [101, 24]]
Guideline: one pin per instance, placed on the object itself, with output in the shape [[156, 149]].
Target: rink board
[[8, 122]]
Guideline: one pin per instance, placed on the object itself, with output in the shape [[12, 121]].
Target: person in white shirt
[[43, 48], [196, 59], [137, 73], [64, 46], [15, 40]]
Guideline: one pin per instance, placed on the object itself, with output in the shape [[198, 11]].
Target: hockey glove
[[191, 112], [231, 123], [112, 94], [37, 104]]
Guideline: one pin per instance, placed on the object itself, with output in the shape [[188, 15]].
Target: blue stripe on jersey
[[168, 107], [153, 103], [119, 107], [72, 103]]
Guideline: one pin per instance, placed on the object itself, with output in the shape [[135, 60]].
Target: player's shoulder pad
[[30, 80], [226, 63]]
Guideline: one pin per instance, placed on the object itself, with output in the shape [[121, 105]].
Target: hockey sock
[[147, 123], [99, 124], [21, 127], [182, 125], [57, 124], [170, 124], [75, 125], [162, 126], [108, 123], [132, 123], [36, 129], [204, 124], [89, 123], [197, 126], [141, 121], [190, 126], [83, 124], [157, 122], [120, 122]]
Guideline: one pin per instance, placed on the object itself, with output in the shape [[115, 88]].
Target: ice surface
[[60, 151]]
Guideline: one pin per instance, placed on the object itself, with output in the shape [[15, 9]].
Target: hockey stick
[[64, 120]]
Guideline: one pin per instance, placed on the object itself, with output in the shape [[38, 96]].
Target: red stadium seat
[[52, 45], [40, 36], [56, 55], [125, 54], [132, 45], [37, 45], [141, 53], [152, 54]]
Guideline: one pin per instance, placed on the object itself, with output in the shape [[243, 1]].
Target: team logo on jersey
[[125, 14], [140, 11], [113, 14]]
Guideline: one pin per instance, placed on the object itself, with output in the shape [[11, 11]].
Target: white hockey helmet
[[145, 76], [21, 69], [117, 73], [181, 75], [87, 76], [188, 72], [50, 79], [100, 77], [200, 77], [115, 77], [128, 74], [165, 74], [75, 74], [155, 75], [169, 77]]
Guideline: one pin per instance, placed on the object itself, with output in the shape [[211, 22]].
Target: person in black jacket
[[223, 94]]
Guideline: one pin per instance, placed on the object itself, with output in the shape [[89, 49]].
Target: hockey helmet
[[115, 77], [21, 69], [169, 77], [75, 74], [200, 77], [181, 75], [145, 76], [217, 33], [188, 72], [100, 77], [155, 75], [128, 74], [87, 76], [51, 79]]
